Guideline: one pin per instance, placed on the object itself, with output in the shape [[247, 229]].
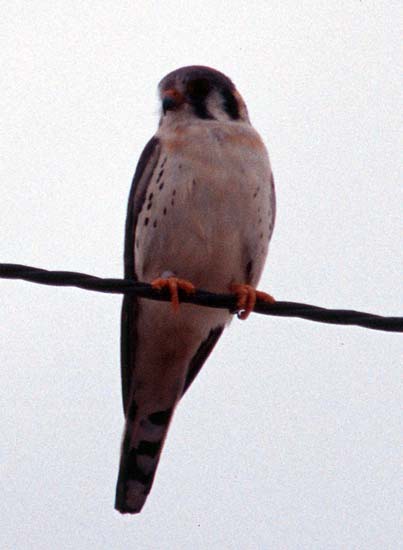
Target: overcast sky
[[290, 437]]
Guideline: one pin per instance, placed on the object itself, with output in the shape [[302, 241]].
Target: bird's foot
[[246, 298], [173, 284]]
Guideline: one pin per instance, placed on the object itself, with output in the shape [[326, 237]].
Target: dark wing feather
[[142, 176], [204, 350]]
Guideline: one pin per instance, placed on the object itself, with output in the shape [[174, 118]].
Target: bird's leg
[[246, 298], [173, 284]]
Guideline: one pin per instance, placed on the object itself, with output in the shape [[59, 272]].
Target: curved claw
[[173, 284], [246, 298]]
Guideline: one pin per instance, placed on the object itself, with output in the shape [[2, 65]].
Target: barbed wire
[[200, 297]]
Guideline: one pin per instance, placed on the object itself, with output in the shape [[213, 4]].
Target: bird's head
[[201, 93]]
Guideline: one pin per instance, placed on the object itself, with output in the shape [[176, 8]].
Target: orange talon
[[173, 284], [246, 299]]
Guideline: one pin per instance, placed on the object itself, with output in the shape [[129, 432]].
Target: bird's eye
[[198, 88]]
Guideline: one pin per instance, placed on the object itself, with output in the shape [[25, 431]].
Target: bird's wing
[[142, 177], [206, 347]]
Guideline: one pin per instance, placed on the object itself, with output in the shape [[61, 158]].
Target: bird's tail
[[142, 443]]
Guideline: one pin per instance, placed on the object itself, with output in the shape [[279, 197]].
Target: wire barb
[[200, 297]]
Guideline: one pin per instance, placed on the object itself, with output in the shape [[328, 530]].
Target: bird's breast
[[203, 205]]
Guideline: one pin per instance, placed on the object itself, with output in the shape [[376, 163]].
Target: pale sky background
[[290, 437]]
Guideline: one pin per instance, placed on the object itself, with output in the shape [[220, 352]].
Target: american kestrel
[[201, 212]]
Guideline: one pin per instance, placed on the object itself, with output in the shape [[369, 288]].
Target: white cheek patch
[[215, 106]]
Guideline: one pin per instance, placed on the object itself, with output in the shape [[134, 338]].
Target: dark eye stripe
[[200, 110], [230, 104], [198, 88]]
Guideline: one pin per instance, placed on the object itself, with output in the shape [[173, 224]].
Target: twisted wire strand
[[200, 297]]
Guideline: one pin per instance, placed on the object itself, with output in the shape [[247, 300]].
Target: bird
[[200, 214]]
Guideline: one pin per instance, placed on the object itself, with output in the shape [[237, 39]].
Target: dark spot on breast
[[256, 192], [146, 220], [161, 185], [180, 167], [261, 235], [160, 175], [172, 202], [174, 192], [149, 205], [249, 270], [164, 211], [137, 243], [260, 220], [155, 223], [194, 182], [150, 196]]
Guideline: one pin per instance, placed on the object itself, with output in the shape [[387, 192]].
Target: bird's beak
[[171, 99]]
